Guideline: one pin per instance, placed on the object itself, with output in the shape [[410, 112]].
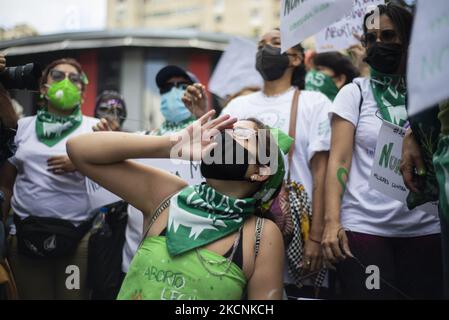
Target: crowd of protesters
[[301, 222]]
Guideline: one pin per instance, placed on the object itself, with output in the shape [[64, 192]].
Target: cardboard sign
[[186, 170], [236, 69], [386, 176], [428, 63], [304, 18], [340, 35]]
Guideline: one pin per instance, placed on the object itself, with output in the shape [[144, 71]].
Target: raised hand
[[106, 125], [197, 140], [2, 62], [195, 99]]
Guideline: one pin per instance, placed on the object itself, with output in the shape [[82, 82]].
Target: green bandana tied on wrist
[[318, 81], [389, 92], [51, 128]]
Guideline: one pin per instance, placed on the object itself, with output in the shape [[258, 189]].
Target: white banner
[[428, 63], [188, 171], [304, 18], [386, 175], [340, 35], [236, 69]]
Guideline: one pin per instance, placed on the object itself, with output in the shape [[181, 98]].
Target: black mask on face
[[385, 57], [225, 170], [270, 63]]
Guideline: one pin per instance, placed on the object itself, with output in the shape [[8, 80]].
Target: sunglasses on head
[[170, 85], [387, 36], [75, 78], [242, 133]]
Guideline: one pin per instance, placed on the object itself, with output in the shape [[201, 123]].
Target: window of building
[[255, 16]]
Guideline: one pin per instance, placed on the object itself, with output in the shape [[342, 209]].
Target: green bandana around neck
[[52, 128], [199, 215], [171, 127], [318, 81], [389, 92]]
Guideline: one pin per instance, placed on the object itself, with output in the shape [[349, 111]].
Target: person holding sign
[[381, 249], [331, 72], [201, 241]]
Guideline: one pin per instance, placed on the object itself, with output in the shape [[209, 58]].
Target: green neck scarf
[[389, 91], [51, 128], [168, 126], [318, 81], [199, 215]]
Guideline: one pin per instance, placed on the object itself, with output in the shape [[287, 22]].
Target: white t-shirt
[[364, 209], [312, 124], [312, 129], [39, 192]]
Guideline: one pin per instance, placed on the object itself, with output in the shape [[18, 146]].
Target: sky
[[54, 16]]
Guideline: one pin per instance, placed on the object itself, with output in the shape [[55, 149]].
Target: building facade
[[125, 61], [249, 18]]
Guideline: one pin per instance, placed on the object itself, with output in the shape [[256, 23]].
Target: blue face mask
[[172, 107]]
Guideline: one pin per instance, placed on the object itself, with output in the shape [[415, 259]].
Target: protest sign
[[340, 35], [188, 171], [236, 69], [386, 175], [304, 18], [428, 63]]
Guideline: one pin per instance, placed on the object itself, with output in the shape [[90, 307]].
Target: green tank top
[[195, 275]]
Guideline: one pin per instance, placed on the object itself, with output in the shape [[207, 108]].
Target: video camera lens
[[24, 77]]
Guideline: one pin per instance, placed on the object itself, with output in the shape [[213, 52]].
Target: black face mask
[[385, 57], [223, 170], [270, 63]]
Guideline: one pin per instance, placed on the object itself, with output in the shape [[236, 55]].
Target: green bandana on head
[[271, 186], [199, 215], [51, 128], [318, 81], [171, 127], [389, 92]]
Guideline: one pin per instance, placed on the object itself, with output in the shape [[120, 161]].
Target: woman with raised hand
[[203, 241]]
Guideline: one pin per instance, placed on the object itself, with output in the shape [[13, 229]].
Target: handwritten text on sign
[[186, 170], [340, 35], [303, 18], [386, 175], [428, 62]]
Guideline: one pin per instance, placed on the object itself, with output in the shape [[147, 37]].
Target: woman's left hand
[[60, 165], [196, 141], [313, 260]]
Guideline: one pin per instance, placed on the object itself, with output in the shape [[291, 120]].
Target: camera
[[24, 77]]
